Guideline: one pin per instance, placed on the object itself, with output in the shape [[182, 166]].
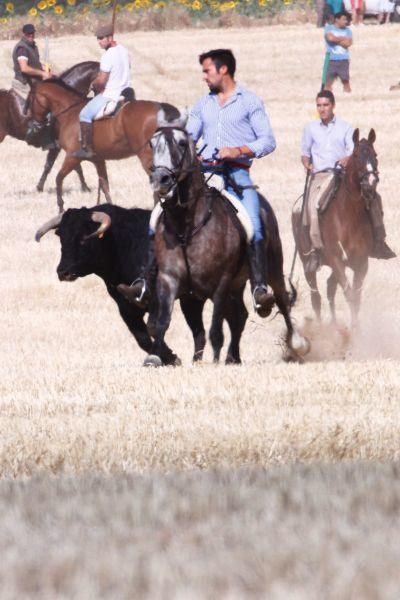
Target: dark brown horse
[[346, 230], [14, 121], [126, 134], [201, 252]]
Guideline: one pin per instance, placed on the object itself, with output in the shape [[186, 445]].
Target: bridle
[[178, 172], [33, 97], [371, 170]]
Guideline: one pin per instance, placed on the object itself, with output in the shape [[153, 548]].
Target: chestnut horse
[[201, 252], [346, 230], [126, 134], [14, 121]]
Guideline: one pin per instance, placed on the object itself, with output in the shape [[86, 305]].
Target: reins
[[185, 239], [177, 174], [34, 97]]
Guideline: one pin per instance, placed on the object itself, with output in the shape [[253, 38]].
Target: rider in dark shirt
[[28, 68]]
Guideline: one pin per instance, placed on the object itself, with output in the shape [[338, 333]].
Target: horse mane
[[171, 113], [85, 63], [61, 83]]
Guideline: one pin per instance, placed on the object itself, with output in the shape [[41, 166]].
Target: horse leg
[[331, 287], [339, 272], [84, 185], [68, 165], [216, 332], [50, 160], [360, 272], [166, 294], [103, 180], [193, 312], [311, 279], [296, 344], [236, 315]]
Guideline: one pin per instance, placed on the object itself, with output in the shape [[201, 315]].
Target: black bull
[[114, 251], [112, 242]]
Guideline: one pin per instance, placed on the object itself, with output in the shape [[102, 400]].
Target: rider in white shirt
[[113, 78]]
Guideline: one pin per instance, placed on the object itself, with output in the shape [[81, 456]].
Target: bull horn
[[178, 123], [52, 224], [105, 223]]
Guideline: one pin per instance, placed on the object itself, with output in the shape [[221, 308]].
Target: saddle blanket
[[108, 109], [217, 182]]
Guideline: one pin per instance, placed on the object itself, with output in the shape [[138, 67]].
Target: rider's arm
[[307, 163], [348, 141], [100, 82], [30, 71], [265, 140], [306, 145], [194, 125], [236, 152]]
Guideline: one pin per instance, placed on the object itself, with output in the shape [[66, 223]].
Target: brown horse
[[14, 121], [345, 228], [201, 252], [126, 134]]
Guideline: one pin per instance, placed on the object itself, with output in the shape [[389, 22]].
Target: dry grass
[[301, 533], [75, 399]]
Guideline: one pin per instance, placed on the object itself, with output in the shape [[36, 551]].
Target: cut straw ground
[[327, 531]]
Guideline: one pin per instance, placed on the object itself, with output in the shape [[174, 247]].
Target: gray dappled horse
[[201, 251]]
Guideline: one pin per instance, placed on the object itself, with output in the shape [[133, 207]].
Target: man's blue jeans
[[249, 198], [91, 109]]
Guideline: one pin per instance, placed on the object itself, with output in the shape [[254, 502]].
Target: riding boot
[[86, 149], [263, 300], [142, 289], [33, 133], [375, 213], [48, 137]]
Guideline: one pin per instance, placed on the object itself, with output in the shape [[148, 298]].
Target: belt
[[228, 163]]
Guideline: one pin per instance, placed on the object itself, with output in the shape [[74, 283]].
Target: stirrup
[[141, 280], [84, 153]]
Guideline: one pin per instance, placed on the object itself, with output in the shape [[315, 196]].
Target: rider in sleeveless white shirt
[[113, 78]]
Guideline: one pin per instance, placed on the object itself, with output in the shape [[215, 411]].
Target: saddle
[[113, 107], [217, 182], [330, 191]]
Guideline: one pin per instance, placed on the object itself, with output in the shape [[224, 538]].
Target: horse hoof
[[39, 188], [174, 361], [231, 360], [300, 344], [291, 357], [152, 360]]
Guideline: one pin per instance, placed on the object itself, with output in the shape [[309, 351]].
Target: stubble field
[[121, 482]]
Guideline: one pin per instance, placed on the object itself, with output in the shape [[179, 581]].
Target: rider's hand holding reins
[[343, 161], [235, 152]]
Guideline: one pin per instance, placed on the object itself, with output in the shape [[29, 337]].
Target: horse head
[[174, 155], [366, 163]]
